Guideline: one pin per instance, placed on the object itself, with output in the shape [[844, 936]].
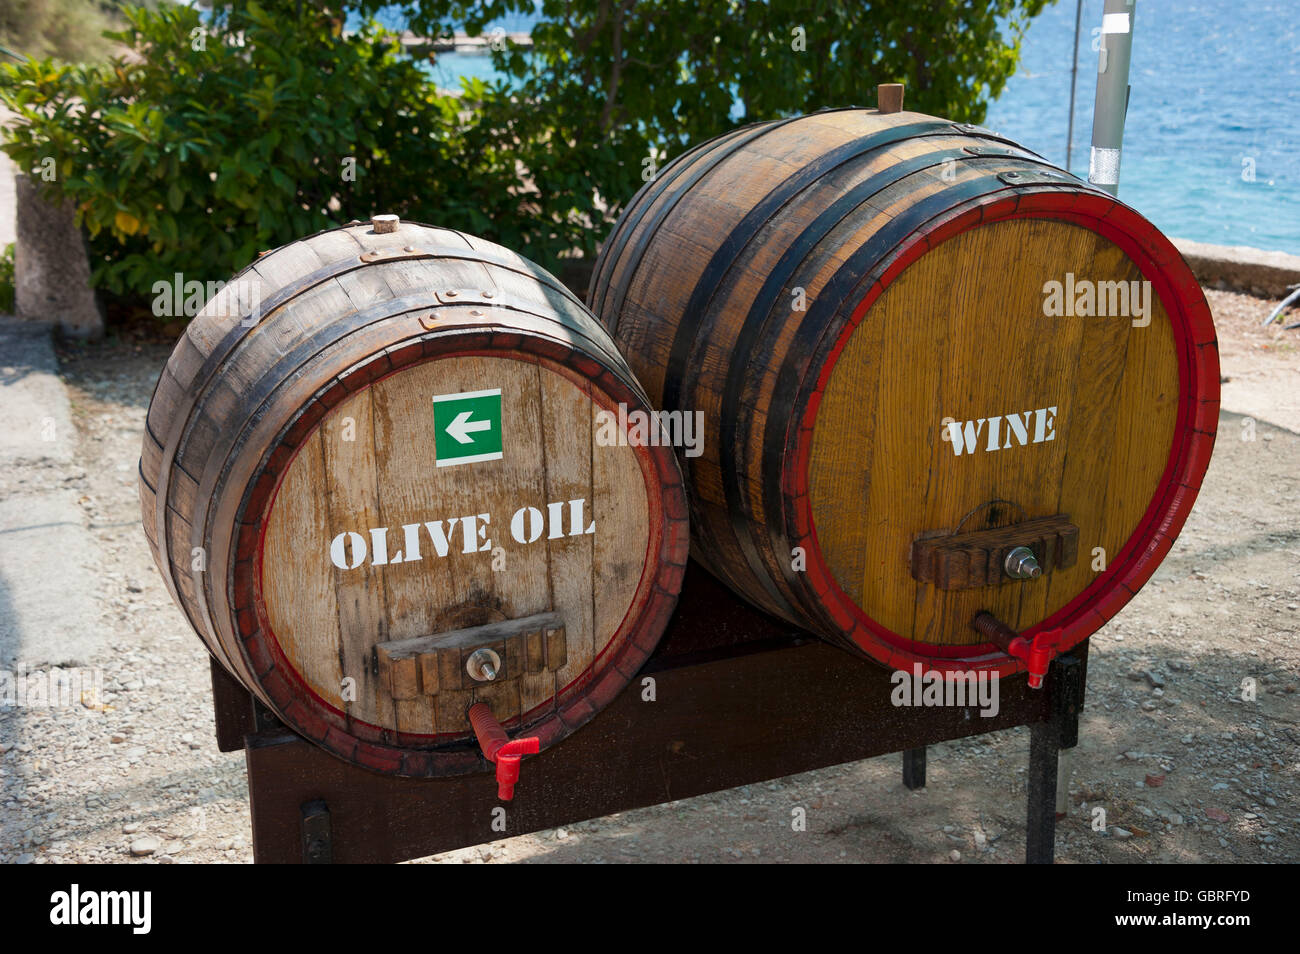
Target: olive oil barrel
[[916, 348], [383, 457]]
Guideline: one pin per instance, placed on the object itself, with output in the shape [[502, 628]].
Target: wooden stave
[[569, 334], [753, 584], [180, 397], [708, 527], [229, 345]]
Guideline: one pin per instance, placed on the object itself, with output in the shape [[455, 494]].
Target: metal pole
[[1074, 80], [1112, 94]]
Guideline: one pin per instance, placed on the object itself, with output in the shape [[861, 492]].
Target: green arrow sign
[[467, 427]]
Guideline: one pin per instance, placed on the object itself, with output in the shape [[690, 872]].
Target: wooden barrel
[[916, 346], [382, 478]]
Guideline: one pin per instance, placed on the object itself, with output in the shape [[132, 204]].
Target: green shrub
[[207, 148], [7, 280]]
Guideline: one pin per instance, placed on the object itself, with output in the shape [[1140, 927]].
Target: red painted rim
[[1194, 430], [414, 754]]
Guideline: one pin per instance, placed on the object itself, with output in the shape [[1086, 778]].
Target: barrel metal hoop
[[730, 251], [476, 296], [615, 297], [725, 257], [970, 129], [782, 195], [640, 205], [517, 263], [1142, 243], [394, 254], [1042, 177], [483, 304], [292, 363], [237, 335], [221, 460], [657, 606], [758, 320], [632, 214], [628, 221], [1009, 152]]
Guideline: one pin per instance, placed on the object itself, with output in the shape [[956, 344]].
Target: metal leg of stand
[[914, 768], [307, 805], [1040, 832], [1048, 773]]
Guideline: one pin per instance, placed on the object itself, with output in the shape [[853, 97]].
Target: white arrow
[[462, 427]]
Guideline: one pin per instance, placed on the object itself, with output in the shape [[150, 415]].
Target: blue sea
[[1212, 140], [1214, 102]]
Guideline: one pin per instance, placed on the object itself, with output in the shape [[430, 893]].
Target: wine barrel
[[382, 477], [907, 342]]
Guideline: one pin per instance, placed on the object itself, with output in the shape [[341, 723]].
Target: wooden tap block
[[427, 665], [965, 560]]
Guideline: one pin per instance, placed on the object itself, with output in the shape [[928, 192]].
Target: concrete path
[[48, 559], [48, 612]]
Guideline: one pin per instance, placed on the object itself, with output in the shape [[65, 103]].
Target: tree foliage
[[193, 160], [673, 68], [612, 85], [608, 83]]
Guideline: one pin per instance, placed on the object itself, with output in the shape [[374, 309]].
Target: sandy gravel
[[138, 777], [1260, 363]]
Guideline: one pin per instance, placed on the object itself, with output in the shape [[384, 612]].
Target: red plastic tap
[[499, 748], [1037, 653]]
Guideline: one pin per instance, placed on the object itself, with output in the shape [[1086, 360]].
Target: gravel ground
[[1185, 770]]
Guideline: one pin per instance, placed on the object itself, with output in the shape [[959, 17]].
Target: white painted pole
[[1112, 94]]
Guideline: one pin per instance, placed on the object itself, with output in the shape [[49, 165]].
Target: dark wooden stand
[[739, 698]]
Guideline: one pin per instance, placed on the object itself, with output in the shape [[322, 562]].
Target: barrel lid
[[462, 503], [1029, 381]]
